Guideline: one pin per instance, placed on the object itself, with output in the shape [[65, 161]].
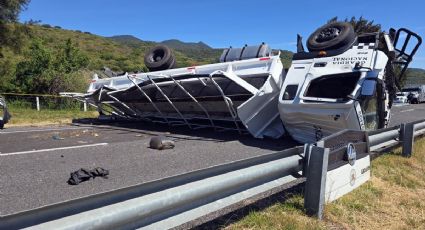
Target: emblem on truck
[[353, 177], [351, 154]]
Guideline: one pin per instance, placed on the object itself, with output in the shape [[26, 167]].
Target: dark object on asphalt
[[159, 58], [83, 174], [332, 36], [57, 137], [160, 143]]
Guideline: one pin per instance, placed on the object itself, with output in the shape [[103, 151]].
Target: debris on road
[[83, 174], [57, 137], [160, 143]]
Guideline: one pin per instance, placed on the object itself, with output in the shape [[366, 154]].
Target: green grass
[[392, 199], [32, 117]]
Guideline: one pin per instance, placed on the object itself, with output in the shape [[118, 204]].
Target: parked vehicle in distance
[[416, 94], [401, 97], [344, 81], [4, 113]]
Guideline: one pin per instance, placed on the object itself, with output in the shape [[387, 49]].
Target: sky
[[221, 23]]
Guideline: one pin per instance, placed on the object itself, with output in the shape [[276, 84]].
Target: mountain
[[415, 76], [199, 50], [130, 40], [177, 44]]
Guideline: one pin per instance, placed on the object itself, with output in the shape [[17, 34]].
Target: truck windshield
[[334, 86]]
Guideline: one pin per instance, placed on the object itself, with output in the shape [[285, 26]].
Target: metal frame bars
[[121, 103], [208, 117], [149, 99], [194, 99], [168, 99], [226, 99]]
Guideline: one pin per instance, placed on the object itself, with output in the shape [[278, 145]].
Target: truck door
[[372, 103]]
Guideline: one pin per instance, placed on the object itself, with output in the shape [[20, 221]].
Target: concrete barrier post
[[37, 101], [314, 194], [407, 133]]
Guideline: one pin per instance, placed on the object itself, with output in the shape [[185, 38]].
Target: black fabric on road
[[83, 174]]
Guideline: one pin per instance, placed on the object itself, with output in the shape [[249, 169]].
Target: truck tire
[[331, 36], [159, 58]]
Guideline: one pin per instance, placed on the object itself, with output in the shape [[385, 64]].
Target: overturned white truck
[[345, 81]]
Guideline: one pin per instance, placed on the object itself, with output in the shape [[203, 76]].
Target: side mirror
[[368, 88]]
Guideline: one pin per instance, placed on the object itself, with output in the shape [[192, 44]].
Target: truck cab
[[348, 86]]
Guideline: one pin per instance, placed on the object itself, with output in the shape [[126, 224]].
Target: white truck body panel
[[346, 178]]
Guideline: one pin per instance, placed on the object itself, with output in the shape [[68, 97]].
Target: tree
[[33, 75], [9, 12], [70, 58], [45, 71], [360, 25]]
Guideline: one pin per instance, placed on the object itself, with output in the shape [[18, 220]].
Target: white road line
[[407, 110], [42, 130], [53, 149]]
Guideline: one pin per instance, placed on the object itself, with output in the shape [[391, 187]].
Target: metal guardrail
[[175, 201], [45, 101], [398, 135]]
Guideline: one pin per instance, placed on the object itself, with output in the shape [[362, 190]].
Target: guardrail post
[[314, 194], [85, 106], [407, 133], [37, 101]]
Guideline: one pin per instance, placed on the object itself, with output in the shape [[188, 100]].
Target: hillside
[[120, 53], [101, 51], [123, 52], [200, 50], [130, 40], [415, 76]]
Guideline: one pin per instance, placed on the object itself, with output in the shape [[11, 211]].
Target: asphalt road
[[407, 113], [35, 163]]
